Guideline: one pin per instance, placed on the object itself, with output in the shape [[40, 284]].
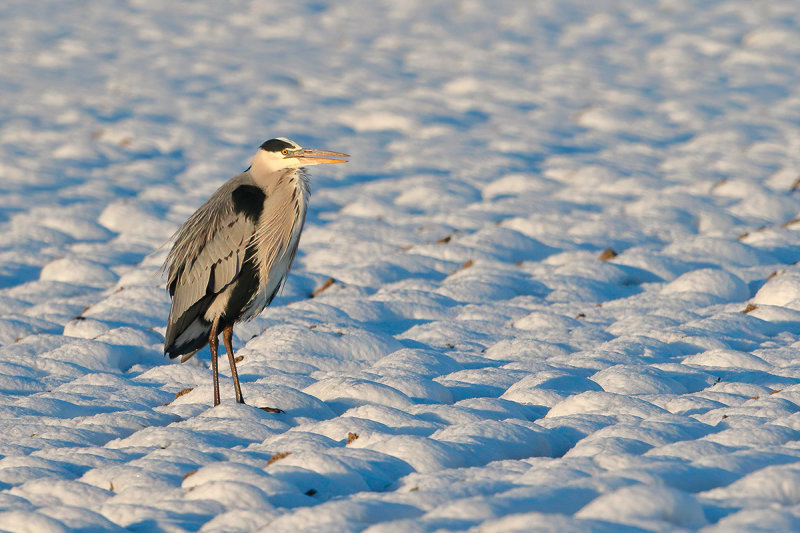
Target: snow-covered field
[[564, 252]]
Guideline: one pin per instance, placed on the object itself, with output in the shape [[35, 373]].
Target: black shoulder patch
[[275, 145], [249, 201]]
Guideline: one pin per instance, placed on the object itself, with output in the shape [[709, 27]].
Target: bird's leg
[[213, 344], [227, 336]]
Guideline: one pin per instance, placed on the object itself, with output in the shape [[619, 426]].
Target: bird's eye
[[285, 151]]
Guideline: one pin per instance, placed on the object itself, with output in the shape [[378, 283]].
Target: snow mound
[[719, 283]]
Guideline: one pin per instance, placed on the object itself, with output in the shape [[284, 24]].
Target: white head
[[281, 153]]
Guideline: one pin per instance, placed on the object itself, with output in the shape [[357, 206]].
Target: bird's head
[[280, 154]]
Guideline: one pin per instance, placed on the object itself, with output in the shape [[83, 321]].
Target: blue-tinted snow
[[475, 365]]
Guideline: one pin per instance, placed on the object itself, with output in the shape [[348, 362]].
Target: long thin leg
[[227, 336], [213, 344]]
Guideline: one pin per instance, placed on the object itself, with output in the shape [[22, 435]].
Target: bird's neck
[[261, 167], [266, 165]]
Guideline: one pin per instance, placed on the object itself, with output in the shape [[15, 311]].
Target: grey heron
[[231, 257]]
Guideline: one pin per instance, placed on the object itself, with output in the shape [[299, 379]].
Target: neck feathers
[[264, 166]]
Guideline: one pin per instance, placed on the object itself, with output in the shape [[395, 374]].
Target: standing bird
[[234, 253]]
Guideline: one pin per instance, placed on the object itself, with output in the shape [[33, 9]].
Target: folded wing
[[208, 256]]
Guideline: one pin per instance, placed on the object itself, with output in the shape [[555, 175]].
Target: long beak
[[309, 156]]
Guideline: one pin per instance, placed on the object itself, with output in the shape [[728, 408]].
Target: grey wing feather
[[208, 252]]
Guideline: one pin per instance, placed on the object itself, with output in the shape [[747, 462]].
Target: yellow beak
[[309, 156]]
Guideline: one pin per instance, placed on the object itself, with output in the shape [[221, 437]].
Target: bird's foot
[[272, 409]]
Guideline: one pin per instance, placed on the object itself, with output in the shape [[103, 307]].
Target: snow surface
[[481, 362]]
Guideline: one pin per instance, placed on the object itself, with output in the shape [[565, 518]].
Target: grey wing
[[207, 256]]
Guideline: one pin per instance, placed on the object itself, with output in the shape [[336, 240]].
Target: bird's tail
[[189, 341]]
